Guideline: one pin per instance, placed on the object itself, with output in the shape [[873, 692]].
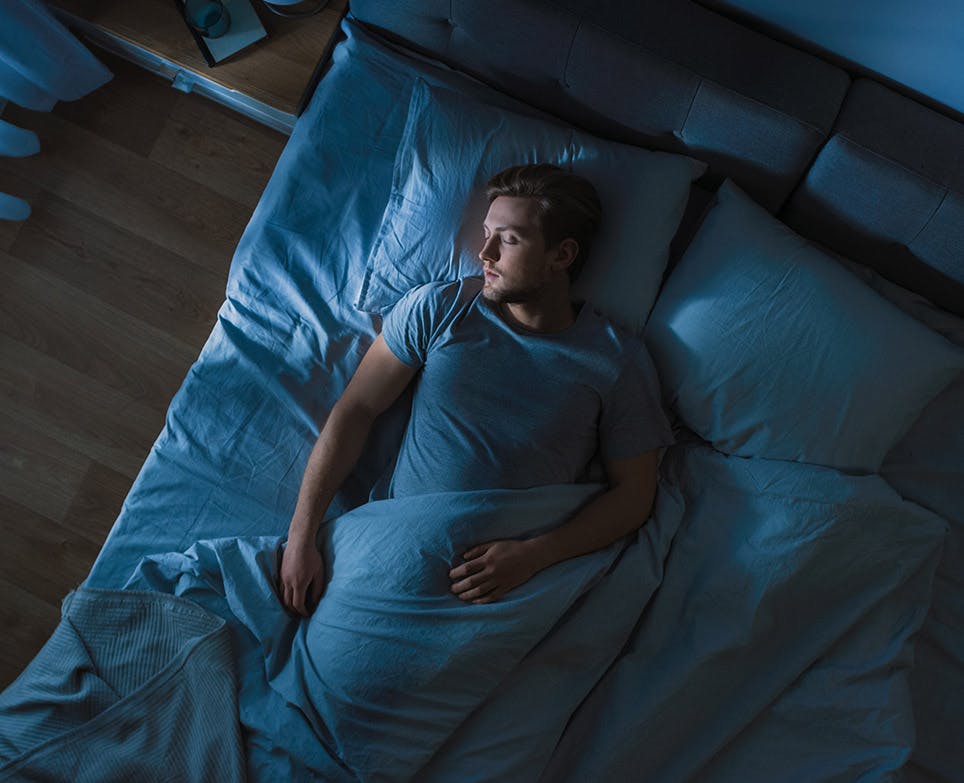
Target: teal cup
[[209, 17]]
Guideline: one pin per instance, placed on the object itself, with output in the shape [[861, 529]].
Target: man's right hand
[[302, 577], [375, 385]]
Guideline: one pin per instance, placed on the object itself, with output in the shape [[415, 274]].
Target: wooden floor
[[107, 293]]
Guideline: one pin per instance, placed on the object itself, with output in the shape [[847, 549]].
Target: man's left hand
[[492, 570]]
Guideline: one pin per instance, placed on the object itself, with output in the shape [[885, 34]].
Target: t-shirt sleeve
[[633, 420], [409, 326]]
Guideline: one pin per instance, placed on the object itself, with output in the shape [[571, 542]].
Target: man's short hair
[[568, 205]]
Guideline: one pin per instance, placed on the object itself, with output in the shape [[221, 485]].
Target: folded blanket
[[131, 686]]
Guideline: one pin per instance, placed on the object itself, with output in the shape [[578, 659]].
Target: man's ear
[[566, 252]]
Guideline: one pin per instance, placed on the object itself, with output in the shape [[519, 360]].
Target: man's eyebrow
[[517, 229]]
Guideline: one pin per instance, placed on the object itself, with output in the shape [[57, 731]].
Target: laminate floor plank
[[9, 229], [37, 471], [122, 269], [89, 335], [43, 557], [98, 502], [117, 110], [121, 187], [76, 410], [27, 623], [232, 155], [21, 188]]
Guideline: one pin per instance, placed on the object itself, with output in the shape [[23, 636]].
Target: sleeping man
[[517, 387]]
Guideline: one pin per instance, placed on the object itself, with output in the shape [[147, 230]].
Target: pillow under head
[[767, 347], [453, 144]]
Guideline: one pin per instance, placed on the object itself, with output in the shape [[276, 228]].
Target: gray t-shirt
[[497, 406]]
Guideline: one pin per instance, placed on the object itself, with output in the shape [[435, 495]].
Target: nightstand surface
[[269, 80]]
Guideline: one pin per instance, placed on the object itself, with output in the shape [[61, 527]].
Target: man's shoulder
[[609, 332], [615, 342], [436, 304]]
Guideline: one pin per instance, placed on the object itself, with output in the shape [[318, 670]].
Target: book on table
[[244, 29]]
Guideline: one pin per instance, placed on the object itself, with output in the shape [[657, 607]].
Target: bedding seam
[[572, 45], [930, 218], [805, 123], [853, 143]]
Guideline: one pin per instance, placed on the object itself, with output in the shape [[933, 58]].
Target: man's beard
[[517, 295]]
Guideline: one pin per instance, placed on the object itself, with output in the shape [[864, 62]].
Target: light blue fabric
[[131, 686], [767, 347], [779, 644], [41, 62], [757, 628], [432, 227], [489, 394], [392, 665]]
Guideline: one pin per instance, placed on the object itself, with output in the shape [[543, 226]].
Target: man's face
[[516, 262]]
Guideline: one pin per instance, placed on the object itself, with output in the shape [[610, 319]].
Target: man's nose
[[489, 251]]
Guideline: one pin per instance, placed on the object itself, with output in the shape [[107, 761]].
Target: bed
[[785, 237]]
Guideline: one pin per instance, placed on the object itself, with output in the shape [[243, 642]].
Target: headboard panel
[[640, 72], [882, 183], [887, 190]]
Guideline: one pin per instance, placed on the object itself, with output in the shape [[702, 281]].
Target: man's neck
[[538, 318]]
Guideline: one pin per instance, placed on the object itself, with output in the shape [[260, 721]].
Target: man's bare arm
[[376, 384], [623, 508], [493, 569]]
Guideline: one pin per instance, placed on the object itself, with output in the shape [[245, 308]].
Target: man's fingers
[[467, 584], [475, 551], [294, 600], [467, 569], [478, 592], [317, 587], [298, 600], [286, 596]]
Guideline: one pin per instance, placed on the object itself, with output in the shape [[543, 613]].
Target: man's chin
[[504, 296], [490, 294]]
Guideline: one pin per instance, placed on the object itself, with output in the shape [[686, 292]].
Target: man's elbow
[[637, 500], [633, 481]]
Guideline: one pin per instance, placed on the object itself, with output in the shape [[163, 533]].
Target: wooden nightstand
[[270, 80]]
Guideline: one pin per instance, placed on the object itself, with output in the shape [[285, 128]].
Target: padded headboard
[[691, 83], [855, 166], [887, 190]]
